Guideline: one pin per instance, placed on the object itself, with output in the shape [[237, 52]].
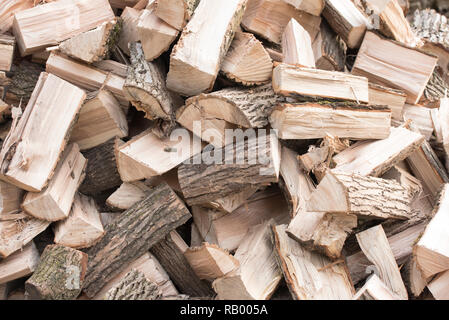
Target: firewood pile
[[231, 150]]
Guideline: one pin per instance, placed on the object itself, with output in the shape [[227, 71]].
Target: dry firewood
[[420, 117], [195, 237], [316, 120], [293, 81], [196, 58], [247, 62], [128, 194], [382, 96], [395, 69], [134, 286], [346, 20], [376, 157], [413, 278], [40, 57], [59, 275], [404, 178], [314, 158], [9, 8], [27, 23], [258, 275], [20, 264], [439, 286], [7, 44], [155, 216], [129, 34], [210, 261], [297, 46], [375, 246], [176, 12], [54, 202], [435, 90], [10, 198], [115, 67], [231, 202], [170, 252], [31, 151], [83, 226], [108, 217], [375, 289], [101, 118], [101, 170], [329, 52], [314, 7], [309, 275], [268, 19]]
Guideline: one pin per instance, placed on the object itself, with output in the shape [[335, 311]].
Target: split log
[[377, 157], [40, 57], [314, 158], [108, 217], [247, 62], [115, 67], [155, 216], [89, 15], [176, 12], [258, 275], [375, 246], [101, 118], [31, 151], [20, 264], [59, 275], [8, 9], [310, 276], [413, 278], [329, 52], [375, 289], [83, 226], [134, 286], [293, 81], [128, 194], [129, 34], [420, 117], [210, 261], [101, 170], [435, 90], [382, 96], [316, 120], [7, 44], [395, 69], [346, 20], [54, 202], [231, 202], [10, 198], [170, 252], [196, 58], [297, 46], [439, 286], [405, 179]]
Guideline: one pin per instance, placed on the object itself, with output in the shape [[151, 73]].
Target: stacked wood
[[374, 289], [383, 96]]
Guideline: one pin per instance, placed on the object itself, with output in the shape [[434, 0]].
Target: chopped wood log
[[170, 252], [176, 12], [382, 96], [40, 57], [128, 194], [31, 151], [59, 275], [258, 275], [231, 202], [293, 81], [413, 278], [314, 158], [404, 178], [346, 20], [268, 19], [329, 52], [20, 264], [297, 46], [108, 217], [54, 202], [7, 44], [210, 261], [134, 286], [316, 120], [435, 90], [310, 276], [431, 252], [145, 87], [9, 8], [83, 226], [155, 216], [101, 171], [395, 69], [101, 118], [439, 286], [10, 198], [196, 58], [421, 118], [247, 62], [376, 157], [201, 183], [314, 7], [115, 67], [129, 34], [93, 45], [375, 246], [375, 289], [29, 22]]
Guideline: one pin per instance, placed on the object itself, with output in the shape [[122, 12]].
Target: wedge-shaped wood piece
[[413, 278], [297, 46], [382, 96], [375, 289], [54, 202], [309, 275], [316, 120], [57, 16], [59, 275], [93, 45], [176, 12], [431, 252], [376, 157], [234, 168], [439, 286], [20, 264], [83, 226], [364, 196], [247, 62], [132, 234], [134, 286], [7, 44], [210, 261], [258, 275], [31, 151], [129, 34], [115, 67], [10, 198], [196, 58], [314, 158], [393, 65], [375, 246], [290, 80], [314, 7], [329, 52], [128, 194], [268, 19], [347, 20], [421, 119], [405, 178], [8, 9], [231, 202]]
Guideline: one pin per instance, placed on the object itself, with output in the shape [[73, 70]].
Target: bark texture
[[329, 50], [435, 89], [134, 286]]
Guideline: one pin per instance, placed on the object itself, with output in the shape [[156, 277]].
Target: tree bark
[[134, 286], [328, 49]]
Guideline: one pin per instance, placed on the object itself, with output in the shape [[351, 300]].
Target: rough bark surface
[[431, 26], [329, 50], [134, 286], [435, 89]]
